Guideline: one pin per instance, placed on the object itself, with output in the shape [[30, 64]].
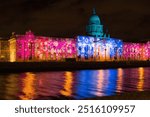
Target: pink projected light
[[25, 46], [148, 45], [50, 48], [30, 47], [40, 48], [136, 51], [147, 50]]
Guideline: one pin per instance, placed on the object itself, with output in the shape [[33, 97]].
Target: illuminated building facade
[[4, 50], [136, 51], [38, 48], [98, 49], [12, 48], [95, 46]]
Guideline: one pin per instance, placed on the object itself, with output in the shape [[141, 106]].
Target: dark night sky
[[125, 19]]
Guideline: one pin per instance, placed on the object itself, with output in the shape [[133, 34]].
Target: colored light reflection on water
[[28, 87], [140, 84], [100, 82], [86, 81], [67, 91], [80, 84], [119, 80]]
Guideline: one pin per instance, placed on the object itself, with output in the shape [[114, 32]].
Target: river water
[[80, 84]]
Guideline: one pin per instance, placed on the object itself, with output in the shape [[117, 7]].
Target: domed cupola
[[94, 27], [94, 19]]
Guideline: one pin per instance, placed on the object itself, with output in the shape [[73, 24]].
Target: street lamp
[[105, 53]]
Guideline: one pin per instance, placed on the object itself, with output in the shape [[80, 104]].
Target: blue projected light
[[120, 47], [90, 47], [85, 46], [116, 47]]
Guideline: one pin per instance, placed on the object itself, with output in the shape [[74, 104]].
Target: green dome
[[94, 19], [94, 27]]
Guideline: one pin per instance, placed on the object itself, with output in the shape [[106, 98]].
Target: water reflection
[[140, 84], [110, 87], [106, 82], [119, 80], [11, 85], [100, 82], [28, 87], [96, 83], [86, 81], [67, 91], [75, 84], [49, 84], [130, 79]]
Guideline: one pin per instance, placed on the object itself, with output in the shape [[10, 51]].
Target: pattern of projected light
[[54, 48], [136, 51], [30, 47], [85, 47], [99, 49], [25, 46]]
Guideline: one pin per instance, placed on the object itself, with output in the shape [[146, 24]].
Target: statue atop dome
[[94, 11]]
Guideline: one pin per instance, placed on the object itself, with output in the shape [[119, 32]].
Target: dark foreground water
[[73, 84]]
